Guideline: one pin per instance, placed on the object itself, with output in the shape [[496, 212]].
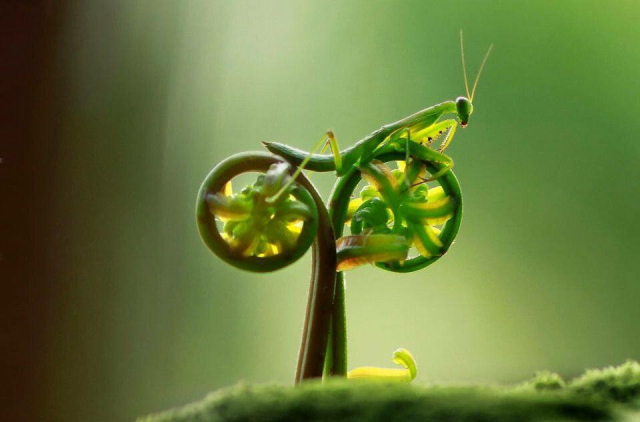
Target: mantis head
[[464, 108]]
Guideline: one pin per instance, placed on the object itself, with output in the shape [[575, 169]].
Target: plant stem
[[317, 322], [336, 364]]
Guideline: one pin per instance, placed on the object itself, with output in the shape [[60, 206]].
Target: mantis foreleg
[[431, 133]]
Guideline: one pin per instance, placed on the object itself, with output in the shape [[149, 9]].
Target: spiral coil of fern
[[253, 208]]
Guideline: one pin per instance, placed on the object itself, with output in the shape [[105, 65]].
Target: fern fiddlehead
[[261, 235]]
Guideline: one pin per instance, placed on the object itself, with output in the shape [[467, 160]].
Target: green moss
[[350, 401], [594, 396], [620, 384], [545, 381]]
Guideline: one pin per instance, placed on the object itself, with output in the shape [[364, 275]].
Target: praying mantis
[[424, 127]]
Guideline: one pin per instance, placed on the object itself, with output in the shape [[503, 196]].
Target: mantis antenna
[[475, 84], [464, 67]]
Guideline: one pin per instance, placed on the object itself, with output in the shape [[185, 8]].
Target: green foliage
[[545, 381], [619, 383], [546, 397]]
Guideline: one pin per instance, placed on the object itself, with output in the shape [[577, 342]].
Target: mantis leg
[[328, 139], [406, 160], [434, 131], [396, 137], [452, 126], [332, 143], [447, 166], [442, 159], [431, 133]]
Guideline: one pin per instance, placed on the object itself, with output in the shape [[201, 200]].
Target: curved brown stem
[[317, 321]]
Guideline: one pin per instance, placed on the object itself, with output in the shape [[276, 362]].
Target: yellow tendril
[[401, 357]]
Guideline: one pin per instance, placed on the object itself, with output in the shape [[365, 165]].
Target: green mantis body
[[424, 126]]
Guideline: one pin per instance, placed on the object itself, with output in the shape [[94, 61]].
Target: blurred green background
[[544, 274]]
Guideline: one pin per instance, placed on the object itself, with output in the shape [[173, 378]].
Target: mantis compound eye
[[266, 226]]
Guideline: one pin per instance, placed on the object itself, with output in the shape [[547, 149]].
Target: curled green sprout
[[394, 212], [257, 234], [256, 226], [401, 357]]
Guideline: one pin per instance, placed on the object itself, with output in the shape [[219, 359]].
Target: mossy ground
[[599, 395]]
